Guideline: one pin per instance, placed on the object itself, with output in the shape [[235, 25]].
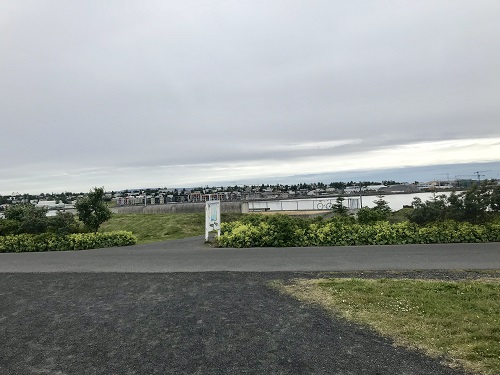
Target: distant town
[[158, 196]]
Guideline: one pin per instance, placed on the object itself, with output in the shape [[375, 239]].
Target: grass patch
[[457, 320], [158, 227], [162, 227]]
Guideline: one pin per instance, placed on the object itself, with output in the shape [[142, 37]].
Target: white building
[[51, 205]]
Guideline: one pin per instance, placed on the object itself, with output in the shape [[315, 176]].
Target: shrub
[[429, 211], [8, 227], [31, 219], [27, 218], [284, 231], [477, 205], [381, 212], [63, 223], [264, 230], [367, 215], [53, 242]]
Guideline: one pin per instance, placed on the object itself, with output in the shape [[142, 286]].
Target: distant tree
[[31, 219], [63, 223], [380, 212], [476, 205], [495, 199], [382, 207], [92, 209], [63, 198], [337, 185], [428, 211], [339, 208]]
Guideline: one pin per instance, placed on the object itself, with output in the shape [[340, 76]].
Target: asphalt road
[[192, 255], [167, 308]]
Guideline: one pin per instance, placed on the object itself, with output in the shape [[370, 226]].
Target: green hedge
[[52, 242], [289, 232]]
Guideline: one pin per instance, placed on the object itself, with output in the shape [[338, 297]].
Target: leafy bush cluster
[[54, 242], [26, 218], [381, 212], [282, 230], [476, 205], [27, 227], [29, 219]]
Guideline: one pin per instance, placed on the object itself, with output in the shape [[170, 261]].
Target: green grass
[[158, 227], [161, 227], [457, 320], [111, 204]]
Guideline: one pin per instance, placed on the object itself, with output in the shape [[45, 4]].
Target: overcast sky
[[127, 94]]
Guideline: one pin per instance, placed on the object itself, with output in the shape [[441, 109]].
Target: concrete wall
[[171, 208]]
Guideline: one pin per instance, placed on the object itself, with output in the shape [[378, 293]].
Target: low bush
[[64, 223], [31, 219], [280, 231], [53, 242], [381, 212], [8, 226]]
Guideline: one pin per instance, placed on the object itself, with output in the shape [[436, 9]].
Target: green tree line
[[26, 218]]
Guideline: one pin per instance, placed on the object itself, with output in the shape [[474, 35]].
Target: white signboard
[[212, 217]]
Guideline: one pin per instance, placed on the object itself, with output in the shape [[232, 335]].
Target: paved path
[[154, 309], [192, 255]]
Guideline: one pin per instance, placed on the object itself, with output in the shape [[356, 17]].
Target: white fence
[[302, 204]]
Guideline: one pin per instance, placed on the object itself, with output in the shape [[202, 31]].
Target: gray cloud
[[132, 85]]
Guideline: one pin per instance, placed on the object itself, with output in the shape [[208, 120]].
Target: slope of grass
[[161, 227], [457, 320], [158, 227]]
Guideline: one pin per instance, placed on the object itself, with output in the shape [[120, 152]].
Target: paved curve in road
[[192, 255]]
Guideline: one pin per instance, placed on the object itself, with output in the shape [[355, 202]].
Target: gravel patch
[[190, 323]]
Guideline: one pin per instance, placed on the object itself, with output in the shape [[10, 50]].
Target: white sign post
[[212, 217]]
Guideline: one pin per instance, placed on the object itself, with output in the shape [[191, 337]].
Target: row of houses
[[195, 196], [264, 194], [143, 200]]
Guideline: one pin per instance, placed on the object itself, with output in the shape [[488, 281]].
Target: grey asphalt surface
[[183, 323], [182, 307], [192, 255]]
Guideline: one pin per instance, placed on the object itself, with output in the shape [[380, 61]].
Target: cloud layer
[[170, 93]]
